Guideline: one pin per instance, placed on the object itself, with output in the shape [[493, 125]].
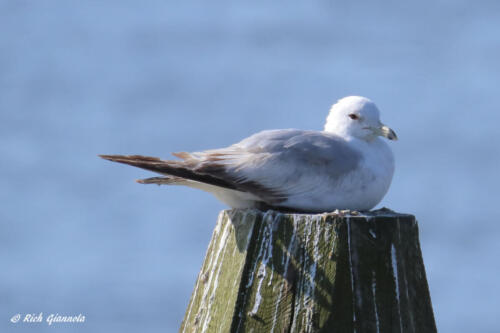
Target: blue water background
[[79, 78]]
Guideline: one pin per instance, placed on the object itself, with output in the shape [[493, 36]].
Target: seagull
[[347, 166]]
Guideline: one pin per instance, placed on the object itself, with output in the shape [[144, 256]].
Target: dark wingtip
[[110, 157]]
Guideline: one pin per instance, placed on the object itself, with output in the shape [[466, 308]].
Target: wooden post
[[338, 272]]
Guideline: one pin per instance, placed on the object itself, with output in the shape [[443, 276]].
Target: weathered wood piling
[[338, 272]]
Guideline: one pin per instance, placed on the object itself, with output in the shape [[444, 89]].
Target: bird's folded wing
[[273, 165], [293, 162]]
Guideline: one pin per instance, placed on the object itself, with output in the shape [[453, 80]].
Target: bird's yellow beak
[[386, 132]]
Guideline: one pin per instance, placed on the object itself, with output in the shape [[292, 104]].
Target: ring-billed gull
[[345, 166]]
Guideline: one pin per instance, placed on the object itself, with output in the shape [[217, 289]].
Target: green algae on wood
[[277, 272]]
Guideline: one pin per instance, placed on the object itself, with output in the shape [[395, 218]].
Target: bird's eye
[[354, 116]]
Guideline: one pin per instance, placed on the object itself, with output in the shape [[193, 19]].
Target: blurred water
[[82, 78]]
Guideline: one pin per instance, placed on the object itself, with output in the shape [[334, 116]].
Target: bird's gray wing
[[292, 162], [272, 165], [279, 163]]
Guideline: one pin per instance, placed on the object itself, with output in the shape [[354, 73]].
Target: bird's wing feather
[[273, 165], [292, 162]]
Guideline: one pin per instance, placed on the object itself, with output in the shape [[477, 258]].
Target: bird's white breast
[[376, 171]]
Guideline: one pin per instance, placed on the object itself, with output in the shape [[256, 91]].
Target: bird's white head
[[358, 117]]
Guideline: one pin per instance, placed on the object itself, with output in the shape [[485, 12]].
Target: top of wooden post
[[382, 212], [343, 271]]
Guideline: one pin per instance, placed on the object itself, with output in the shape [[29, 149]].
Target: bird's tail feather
[[165, 180], [175, 170]]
